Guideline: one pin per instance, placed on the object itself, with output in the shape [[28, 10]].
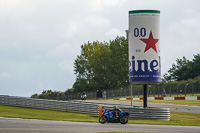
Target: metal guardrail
[[72, 106], [83, 107], [146, 113]]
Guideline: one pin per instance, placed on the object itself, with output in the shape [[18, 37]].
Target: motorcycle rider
[[83, 96], [116, 110]]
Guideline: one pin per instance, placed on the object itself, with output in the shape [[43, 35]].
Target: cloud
[[73, 28], [66, 65], [83, 25], [5, 75], [36, 57], [65, 54], [96, 21], [112, 33], [101, 6], [59, 51], [63, 51]]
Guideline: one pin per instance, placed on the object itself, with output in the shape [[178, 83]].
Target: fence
[[137, 91], [157, 91], [83, 107]]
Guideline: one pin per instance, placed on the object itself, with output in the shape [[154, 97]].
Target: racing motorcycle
[[116, 115]]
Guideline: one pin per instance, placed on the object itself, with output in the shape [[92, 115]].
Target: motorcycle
[[114, 116]]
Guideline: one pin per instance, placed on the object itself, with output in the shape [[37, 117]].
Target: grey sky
[[40, 39]]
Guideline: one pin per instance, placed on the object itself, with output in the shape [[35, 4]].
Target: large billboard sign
[[144, 47]]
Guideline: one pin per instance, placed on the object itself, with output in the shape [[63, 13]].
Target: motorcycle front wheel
[[103, 119], [123, 120]]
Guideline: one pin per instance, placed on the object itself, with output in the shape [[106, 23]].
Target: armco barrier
[[146, 113], [72, 106], [84, 107]]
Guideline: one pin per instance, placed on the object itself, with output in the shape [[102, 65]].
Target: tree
[[102, 66], [184, 69], [35, 96], [195, 66], [90, 66], [118, 63]]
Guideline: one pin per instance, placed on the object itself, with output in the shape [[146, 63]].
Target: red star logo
[[150, 42]]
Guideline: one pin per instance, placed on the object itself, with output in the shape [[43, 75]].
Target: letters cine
[[144, 47]]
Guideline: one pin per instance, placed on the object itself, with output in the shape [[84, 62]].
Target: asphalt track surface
[[175, 107], [16, 125]]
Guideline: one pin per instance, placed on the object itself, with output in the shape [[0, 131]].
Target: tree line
[[104, 66], [49, 94]]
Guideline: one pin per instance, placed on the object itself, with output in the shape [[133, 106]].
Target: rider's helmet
[[115, 107]]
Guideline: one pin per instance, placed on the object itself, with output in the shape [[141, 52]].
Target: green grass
[[177, 118], [29, 113], [168, 95], [181, 102]]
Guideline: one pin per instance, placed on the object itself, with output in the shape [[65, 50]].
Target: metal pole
[[131, 96], [170, 90], [177, 90], [127, 33], [145, 96], [192, 89], [185, 90]]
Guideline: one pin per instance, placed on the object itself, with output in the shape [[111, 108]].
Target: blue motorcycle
[[116, 115]]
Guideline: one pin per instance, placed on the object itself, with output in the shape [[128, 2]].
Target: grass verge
[[177, 118], [29, 113], [168, 95], [180, 102]]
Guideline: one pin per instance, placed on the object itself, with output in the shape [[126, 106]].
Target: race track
[[15, 125], [174, 107]]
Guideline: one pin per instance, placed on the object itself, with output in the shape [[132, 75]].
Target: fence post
[[131, 95], [177, 90], [185, 88], [192, 89]]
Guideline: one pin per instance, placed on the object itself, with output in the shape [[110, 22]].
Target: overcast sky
[[40, 39]]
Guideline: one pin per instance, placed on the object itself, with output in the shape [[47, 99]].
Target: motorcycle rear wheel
[[123, 120], [103, 119]]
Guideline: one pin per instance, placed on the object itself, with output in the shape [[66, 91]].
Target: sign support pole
[[131, 95], [144, 96]]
